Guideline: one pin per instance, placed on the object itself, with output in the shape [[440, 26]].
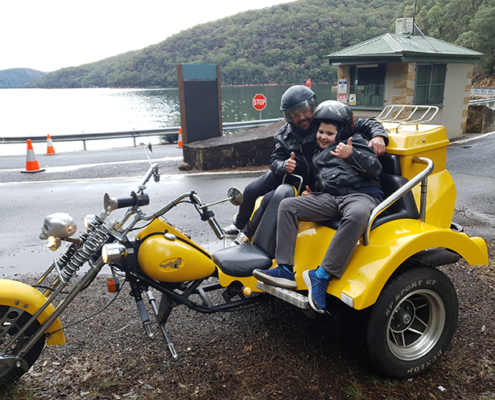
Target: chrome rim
[[8, 329], [416, 325]]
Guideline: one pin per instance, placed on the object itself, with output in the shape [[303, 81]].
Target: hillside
[[280, 44], [18, 77], [283, 44]]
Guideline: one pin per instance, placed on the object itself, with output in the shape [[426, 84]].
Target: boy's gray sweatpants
[[354, 211]]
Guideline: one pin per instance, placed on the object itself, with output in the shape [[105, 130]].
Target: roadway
[[76, 182]]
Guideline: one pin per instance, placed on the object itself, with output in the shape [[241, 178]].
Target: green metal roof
[[392, 47]]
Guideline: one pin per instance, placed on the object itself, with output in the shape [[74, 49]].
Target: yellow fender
[[371, 266], [27, 298]]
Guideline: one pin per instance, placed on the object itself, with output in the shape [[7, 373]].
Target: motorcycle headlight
[[113, 253], [59, 225], [53, 243]]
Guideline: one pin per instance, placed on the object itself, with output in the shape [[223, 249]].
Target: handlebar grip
[[134, 200]]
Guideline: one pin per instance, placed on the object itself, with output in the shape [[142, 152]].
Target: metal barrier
[[487, 102], [484, 92], [173, 130]]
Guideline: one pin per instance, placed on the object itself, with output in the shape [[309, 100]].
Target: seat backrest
[[405, 207], [265, 236], [390, 164]]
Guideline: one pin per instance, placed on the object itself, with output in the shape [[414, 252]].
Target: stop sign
[[259, 102]]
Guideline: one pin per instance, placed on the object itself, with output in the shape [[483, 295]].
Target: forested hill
[[18, 77], [282, 44]]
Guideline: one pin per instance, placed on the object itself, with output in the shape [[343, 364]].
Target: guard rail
[[173, 130]]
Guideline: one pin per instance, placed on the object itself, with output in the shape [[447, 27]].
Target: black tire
[[11, 323], [412, 323]]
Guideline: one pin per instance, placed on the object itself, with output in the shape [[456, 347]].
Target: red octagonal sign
[[259, 102]]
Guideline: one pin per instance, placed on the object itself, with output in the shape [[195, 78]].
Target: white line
[[76, 167], [164, 176], [473, 138]]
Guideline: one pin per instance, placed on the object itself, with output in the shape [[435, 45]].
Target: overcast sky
[[47, 35]]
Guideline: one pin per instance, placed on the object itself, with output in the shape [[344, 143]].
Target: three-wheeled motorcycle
[[410, 306]]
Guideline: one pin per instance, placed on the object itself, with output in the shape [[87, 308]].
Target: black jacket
[[287, 141], [340, 177]]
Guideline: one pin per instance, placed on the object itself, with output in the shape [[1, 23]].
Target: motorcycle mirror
[[235, 196], [149, 147]]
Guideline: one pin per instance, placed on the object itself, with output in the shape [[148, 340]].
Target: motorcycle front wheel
[[12, 319], [412, 323]]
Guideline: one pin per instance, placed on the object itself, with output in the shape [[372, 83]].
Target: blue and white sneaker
[[278, 276], [317, 290]]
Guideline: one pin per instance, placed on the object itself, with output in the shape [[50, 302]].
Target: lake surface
[[39, 112]]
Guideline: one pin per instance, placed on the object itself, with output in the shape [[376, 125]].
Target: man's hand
[[290, 164], [343, 150], [378, 144], [307, 192]]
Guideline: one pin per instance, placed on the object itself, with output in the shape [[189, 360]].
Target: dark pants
[[354, 211], [259, 187]]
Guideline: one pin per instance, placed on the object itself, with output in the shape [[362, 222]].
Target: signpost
[[259, 102]]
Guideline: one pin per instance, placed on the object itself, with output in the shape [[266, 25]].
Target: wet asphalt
[[75, 183]]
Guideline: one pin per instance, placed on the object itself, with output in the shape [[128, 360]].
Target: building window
[[430, 84], [368, 85]]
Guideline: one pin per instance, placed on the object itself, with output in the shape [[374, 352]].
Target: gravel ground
[[270, 351]]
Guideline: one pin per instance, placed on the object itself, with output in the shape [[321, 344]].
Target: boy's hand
[[290, 164], [343, 150], [307, 192]]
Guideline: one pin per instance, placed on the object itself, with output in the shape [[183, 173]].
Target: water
[[39, 112]]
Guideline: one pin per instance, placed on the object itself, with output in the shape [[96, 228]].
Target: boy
[[346, 174]]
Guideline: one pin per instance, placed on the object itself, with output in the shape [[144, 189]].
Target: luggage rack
[[406, 114]]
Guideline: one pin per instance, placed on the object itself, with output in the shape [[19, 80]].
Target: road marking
[[76, 167], [137, 177], [473, 138]]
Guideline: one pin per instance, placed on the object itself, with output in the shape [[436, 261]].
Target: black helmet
[[332, 111], [295, 98]]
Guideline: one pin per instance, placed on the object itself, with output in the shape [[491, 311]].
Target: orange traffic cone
[[50, 150], [31, 163], [179, 142]]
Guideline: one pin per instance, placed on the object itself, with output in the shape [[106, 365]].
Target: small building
[[402, 68]]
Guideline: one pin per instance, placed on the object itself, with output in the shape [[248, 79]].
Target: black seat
[[242, 260], [391, 180]]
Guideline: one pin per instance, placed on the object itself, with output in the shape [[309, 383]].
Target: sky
[[47, 35]]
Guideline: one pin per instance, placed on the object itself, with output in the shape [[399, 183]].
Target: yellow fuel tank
[[167, 255]]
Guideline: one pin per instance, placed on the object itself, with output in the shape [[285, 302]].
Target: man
[[295, 144]]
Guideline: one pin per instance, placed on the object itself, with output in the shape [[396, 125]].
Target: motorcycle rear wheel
[[11, 320], [412, 323]]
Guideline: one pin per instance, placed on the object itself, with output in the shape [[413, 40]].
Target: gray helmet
[[332, 111], [295, 98]]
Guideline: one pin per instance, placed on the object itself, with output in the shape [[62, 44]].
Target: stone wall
[[242, 149], [479, 118]]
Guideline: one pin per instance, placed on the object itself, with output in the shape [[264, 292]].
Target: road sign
[[259, 102]]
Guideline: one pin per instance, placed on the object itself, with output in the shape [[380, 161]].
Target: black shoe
[[231, 230]]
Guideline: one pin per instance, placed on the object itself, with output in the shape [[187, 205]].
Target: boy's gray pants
[[354, 211]]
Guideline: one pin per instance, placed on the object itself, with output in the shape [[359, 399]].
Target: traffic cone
[[50, 150], [179, 142], [32, 164]]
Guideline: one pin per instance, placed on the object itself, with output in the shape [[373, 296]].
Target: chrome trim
[[294, 298], [394, 113], [421, 177]]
